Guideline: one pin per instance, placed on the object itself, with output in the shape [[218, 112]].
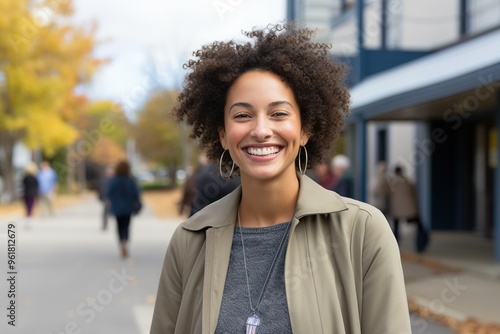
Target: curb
[[458, 321]]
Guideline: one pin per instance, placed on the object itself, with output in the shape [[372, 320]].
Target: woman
[[30, 191], [280, 254], [124, 196], [404, 205]]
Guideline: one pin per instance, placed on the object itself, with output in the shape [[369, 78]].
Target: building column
[[464, 18], [360, 171], [360, 59], [496, 191]]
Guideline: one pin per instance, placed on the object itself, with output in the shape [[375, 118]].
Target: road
[[70, 278]]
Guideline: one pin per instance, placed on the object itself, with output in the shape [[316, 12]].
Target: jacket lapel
[[218, 219], [219, 242]]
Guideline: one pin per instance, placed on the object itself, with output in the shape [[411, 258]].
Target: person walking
[[323, 175], [210, 186], [186, 203], [30, 191], [47, 185], [343, 180], [404, 205], [380, 189], [124, 195], [280, 254]]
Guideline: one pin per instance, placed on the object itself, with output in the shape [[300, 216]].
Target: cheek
[[233, 135], [291, 131]]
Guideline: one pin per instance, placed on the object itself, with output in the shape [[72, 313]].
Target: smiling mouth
[[262, 151]]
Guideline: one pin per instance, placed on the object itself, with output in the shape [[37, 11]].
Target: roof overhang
[[472, 67]]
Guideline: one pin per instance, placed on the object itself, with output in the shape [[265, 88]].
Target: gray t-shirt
[[261, 245]]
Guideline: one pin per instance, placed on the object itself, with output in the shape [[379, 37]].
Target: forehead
[[260, 85]]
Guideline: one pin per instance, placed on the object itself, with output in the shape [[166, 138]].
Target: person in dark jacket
[[210, 186], [30, 191], [124, 195]]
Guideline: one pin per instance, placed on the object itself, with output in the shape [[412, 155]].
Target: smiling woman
[[280, 254]]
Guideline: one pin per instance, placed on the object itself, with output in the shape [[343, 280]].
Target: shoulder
[[184, 244], [364, 210], [370, 231], [364, 218]]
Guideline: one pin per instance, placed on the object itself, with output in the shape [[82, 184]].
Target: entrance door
[[485, 162]]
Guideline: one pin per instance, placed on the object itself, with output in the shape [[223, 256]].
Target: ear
[[222, 138], [304, 137]]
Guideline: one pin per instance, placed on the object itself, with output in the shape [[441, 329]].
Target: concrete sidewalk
[[456, 281]]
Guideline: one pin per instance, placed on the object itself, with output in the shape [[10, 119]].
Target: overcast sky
[[148, 40]]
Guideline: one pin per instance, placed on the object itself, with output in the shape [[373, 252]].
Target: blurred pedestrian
[[1, 189], [404, 206], [124, 195], [210, 186], [343, 180], [47, 187], [280, 254], [323, 175], [103, 186], [380, 188], [186, 202], [30, 191], [184, 205]]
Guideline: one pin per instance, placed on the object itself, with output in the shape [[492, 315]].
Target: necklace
[[253, 321]]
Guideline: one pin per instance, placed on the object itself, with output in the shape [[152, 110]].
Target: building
[[425, 74]]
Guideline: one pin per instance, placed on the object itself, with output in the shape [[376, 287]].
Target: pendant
[[253, 322]]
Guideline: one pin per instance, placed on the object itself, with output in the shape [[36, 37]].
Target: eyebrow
[[277, 103], [248, 105]]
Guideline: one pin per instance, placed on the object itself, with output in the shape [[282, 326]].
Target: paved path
[[70, 278]]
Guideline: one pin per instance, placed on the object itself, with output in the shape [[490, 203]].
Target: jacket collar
[[313, 199]]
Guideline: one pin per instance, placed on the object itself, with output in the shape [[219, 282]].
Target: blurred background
[[85, 84]]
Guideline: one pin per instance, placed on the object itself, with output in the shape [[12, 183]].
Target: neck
[[267, 203]]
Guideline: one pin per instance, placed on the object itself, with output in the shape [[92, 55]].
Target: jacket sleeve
[[384, 301], [169, 295]]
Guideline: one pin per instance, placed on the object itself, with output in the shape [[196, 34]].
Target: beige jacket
[[342, 269], [404, 203]]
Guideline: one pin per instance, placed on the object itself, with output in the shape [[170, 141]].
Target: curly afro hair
[[314, 77]]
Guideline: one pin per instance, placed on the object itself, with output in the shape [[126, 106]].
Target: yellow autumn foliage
[[43, 58]]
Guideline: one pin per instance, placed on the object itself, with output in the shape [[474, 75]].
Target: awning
[[454, 70]]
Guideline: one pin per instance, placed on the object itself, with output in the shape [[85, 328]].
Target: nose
[[262, 129]]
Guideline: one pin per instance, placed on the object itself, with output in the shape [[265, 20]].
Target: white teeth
[[262, 151]]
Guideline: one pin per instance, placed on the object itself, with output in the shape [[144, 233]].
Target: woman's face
[[262, 126]]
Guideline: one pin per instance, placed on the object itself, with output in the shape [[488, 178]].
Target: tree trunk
[[7, 142]]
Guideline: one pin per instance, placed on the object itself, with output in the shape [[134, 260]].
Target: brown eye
[[241, 115], [280, 114]]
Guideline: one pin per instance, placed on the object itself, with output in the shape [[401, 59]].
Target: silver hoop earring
[[302, 171], [220, 167]]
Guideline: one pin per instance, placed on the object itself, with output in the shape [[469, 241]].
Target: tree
[[105, 125], [157, 135], [42, 59], [102, 134]]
